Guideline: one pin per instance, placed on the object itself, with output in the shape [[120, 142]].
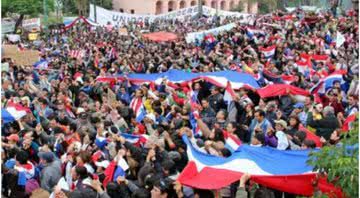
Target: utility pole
[[199, 8], [95, 17]]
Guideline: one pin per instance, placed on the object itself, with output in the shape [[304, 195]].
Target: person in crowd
[[259, 123], [325, 126], [51, 172]]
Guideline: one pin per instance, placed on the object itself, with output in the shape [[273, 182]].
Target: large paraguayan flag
[[281, 170], [219, 78]]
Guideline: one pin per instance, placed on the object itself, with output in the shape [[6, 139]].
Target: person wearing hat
[[280, 127], [12, 139], [51, 173], [298, 111]]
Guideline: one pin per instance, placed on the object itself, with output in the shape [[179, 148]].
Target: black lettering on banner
[[122, 19], [189, 11], [133, 19], [178, 13], [115, 17], [184, 12]]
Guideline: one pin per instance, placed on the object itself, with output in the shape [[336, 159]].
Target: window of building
[[158, 7], [121, 10], [132, 11]]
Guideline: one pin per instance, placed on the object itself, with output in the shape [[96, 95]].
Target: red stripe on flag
[[311, 136], [346, 126]]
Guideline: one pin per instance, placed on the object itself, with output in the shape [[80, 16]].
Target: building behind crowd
[[163, 6]]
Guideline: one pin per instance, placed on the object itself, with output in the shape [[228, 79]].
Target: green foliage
[[32, 8], [107, 4], [69, 8], [340, 163]]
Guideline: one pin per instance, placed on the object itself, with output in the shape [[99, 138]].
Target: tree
[[107, 4], [82, 6], [24, 7], [340, 163]]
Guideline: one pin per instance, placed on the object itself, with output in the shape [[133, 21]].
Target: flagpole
[[199, 8], [95, 11]]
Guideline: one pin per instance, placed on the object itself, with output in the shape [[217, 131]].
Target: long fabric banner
[[219, 79], [191, 37], [105, 16], [281, 170]]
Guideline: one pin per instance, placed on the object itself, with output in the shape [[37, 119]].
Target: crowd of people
[[76, 134]]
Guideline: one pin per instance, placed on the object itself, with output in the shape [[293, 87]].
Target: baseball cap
[[281, 122], [299, 105], [13, 137]]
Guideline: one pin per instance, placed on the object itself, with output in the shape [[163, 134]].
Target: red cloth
[[161, 36], [347, 124], [178, 100], [208, 178], [329, 189], [141, 129], [311, 136], [280, 90], [109, 173]]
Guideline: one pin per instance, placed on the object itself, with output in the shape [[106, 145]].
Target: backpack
[[31, 185]]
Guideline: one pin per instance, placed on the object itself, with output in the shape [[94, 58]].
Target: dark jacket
[[216, 102], [208, 116], [325, 126]]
